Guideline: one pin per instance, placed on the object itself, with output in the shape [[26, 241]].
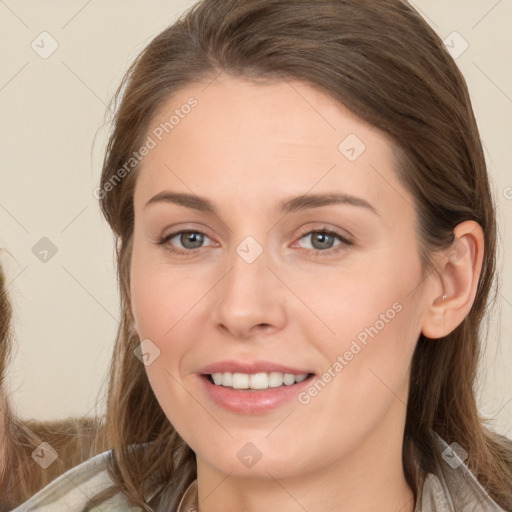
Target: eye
[[190, 241], [322, 241]]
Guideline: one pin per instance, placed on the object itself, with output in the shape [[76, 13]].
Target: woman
[[251, 371]]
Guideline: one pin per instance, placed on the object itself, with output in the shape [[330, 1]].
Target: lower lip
[[252, 401]]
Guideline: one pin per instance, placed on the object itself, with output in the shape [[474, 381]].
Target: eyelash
[[317, 252]]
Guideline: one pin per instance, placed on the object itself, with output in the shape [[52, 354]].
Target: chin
[[246, 460]]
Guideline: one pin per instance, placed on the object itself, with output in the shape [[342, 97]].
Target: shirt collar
[[453, 486], [189, 501]]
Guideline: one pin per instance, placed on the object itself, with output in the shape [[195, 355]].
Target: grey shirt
[[452, 488]]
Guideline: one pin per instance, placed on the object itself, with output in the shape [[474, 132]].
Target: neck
[[369, 478]]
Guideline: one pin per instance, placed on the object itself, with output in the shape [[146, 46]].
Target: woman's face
[[258, 289]]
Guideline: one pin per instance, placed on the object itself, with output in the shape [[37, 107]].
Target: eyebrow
[[286, 206]]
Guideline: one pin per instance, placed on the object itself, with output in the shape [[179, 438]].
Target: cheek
[[161, 304], [161, 295], [374, 318], [370, 303]]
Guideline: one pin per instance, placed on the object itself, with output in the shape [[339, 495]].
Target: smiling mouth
[[256, 381]]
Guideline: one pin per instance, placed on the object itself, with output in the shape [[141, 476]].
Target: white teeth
[[275, 379], [256, 380], [289, 379], [301, 377], [227, 379], [240, 380]]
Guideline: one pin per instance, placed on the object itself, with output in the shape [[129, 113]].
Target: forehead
[[262, 141]]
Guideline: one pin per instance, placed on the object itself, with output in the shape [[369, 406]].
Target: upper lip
[[249, 367]]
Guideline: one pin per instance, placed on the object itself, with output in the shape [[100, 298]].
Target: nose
[[250, 300]]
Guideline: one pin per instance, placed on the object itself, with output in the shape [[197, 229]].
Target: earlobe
[[454, 287]]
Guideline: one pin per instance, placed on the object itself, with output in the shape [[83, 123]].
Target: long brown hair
[[5, 329], [74, 439], [383, 62], [5, 332]]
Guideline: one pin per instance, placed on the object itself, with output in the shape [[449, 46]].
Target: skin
[[246, 147]]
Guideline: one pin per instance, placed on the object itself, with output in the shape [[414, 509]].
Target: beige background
[[52, 113]]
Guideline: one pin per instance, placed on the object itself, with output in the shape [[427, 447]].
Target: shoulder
[[453, 487], [71, 491]]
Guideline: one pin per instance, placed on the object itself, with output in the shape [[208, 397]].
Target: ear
[[454, 286]]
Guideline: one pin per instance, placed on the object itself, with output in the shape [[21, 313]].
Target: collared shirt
[[452, 488]]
